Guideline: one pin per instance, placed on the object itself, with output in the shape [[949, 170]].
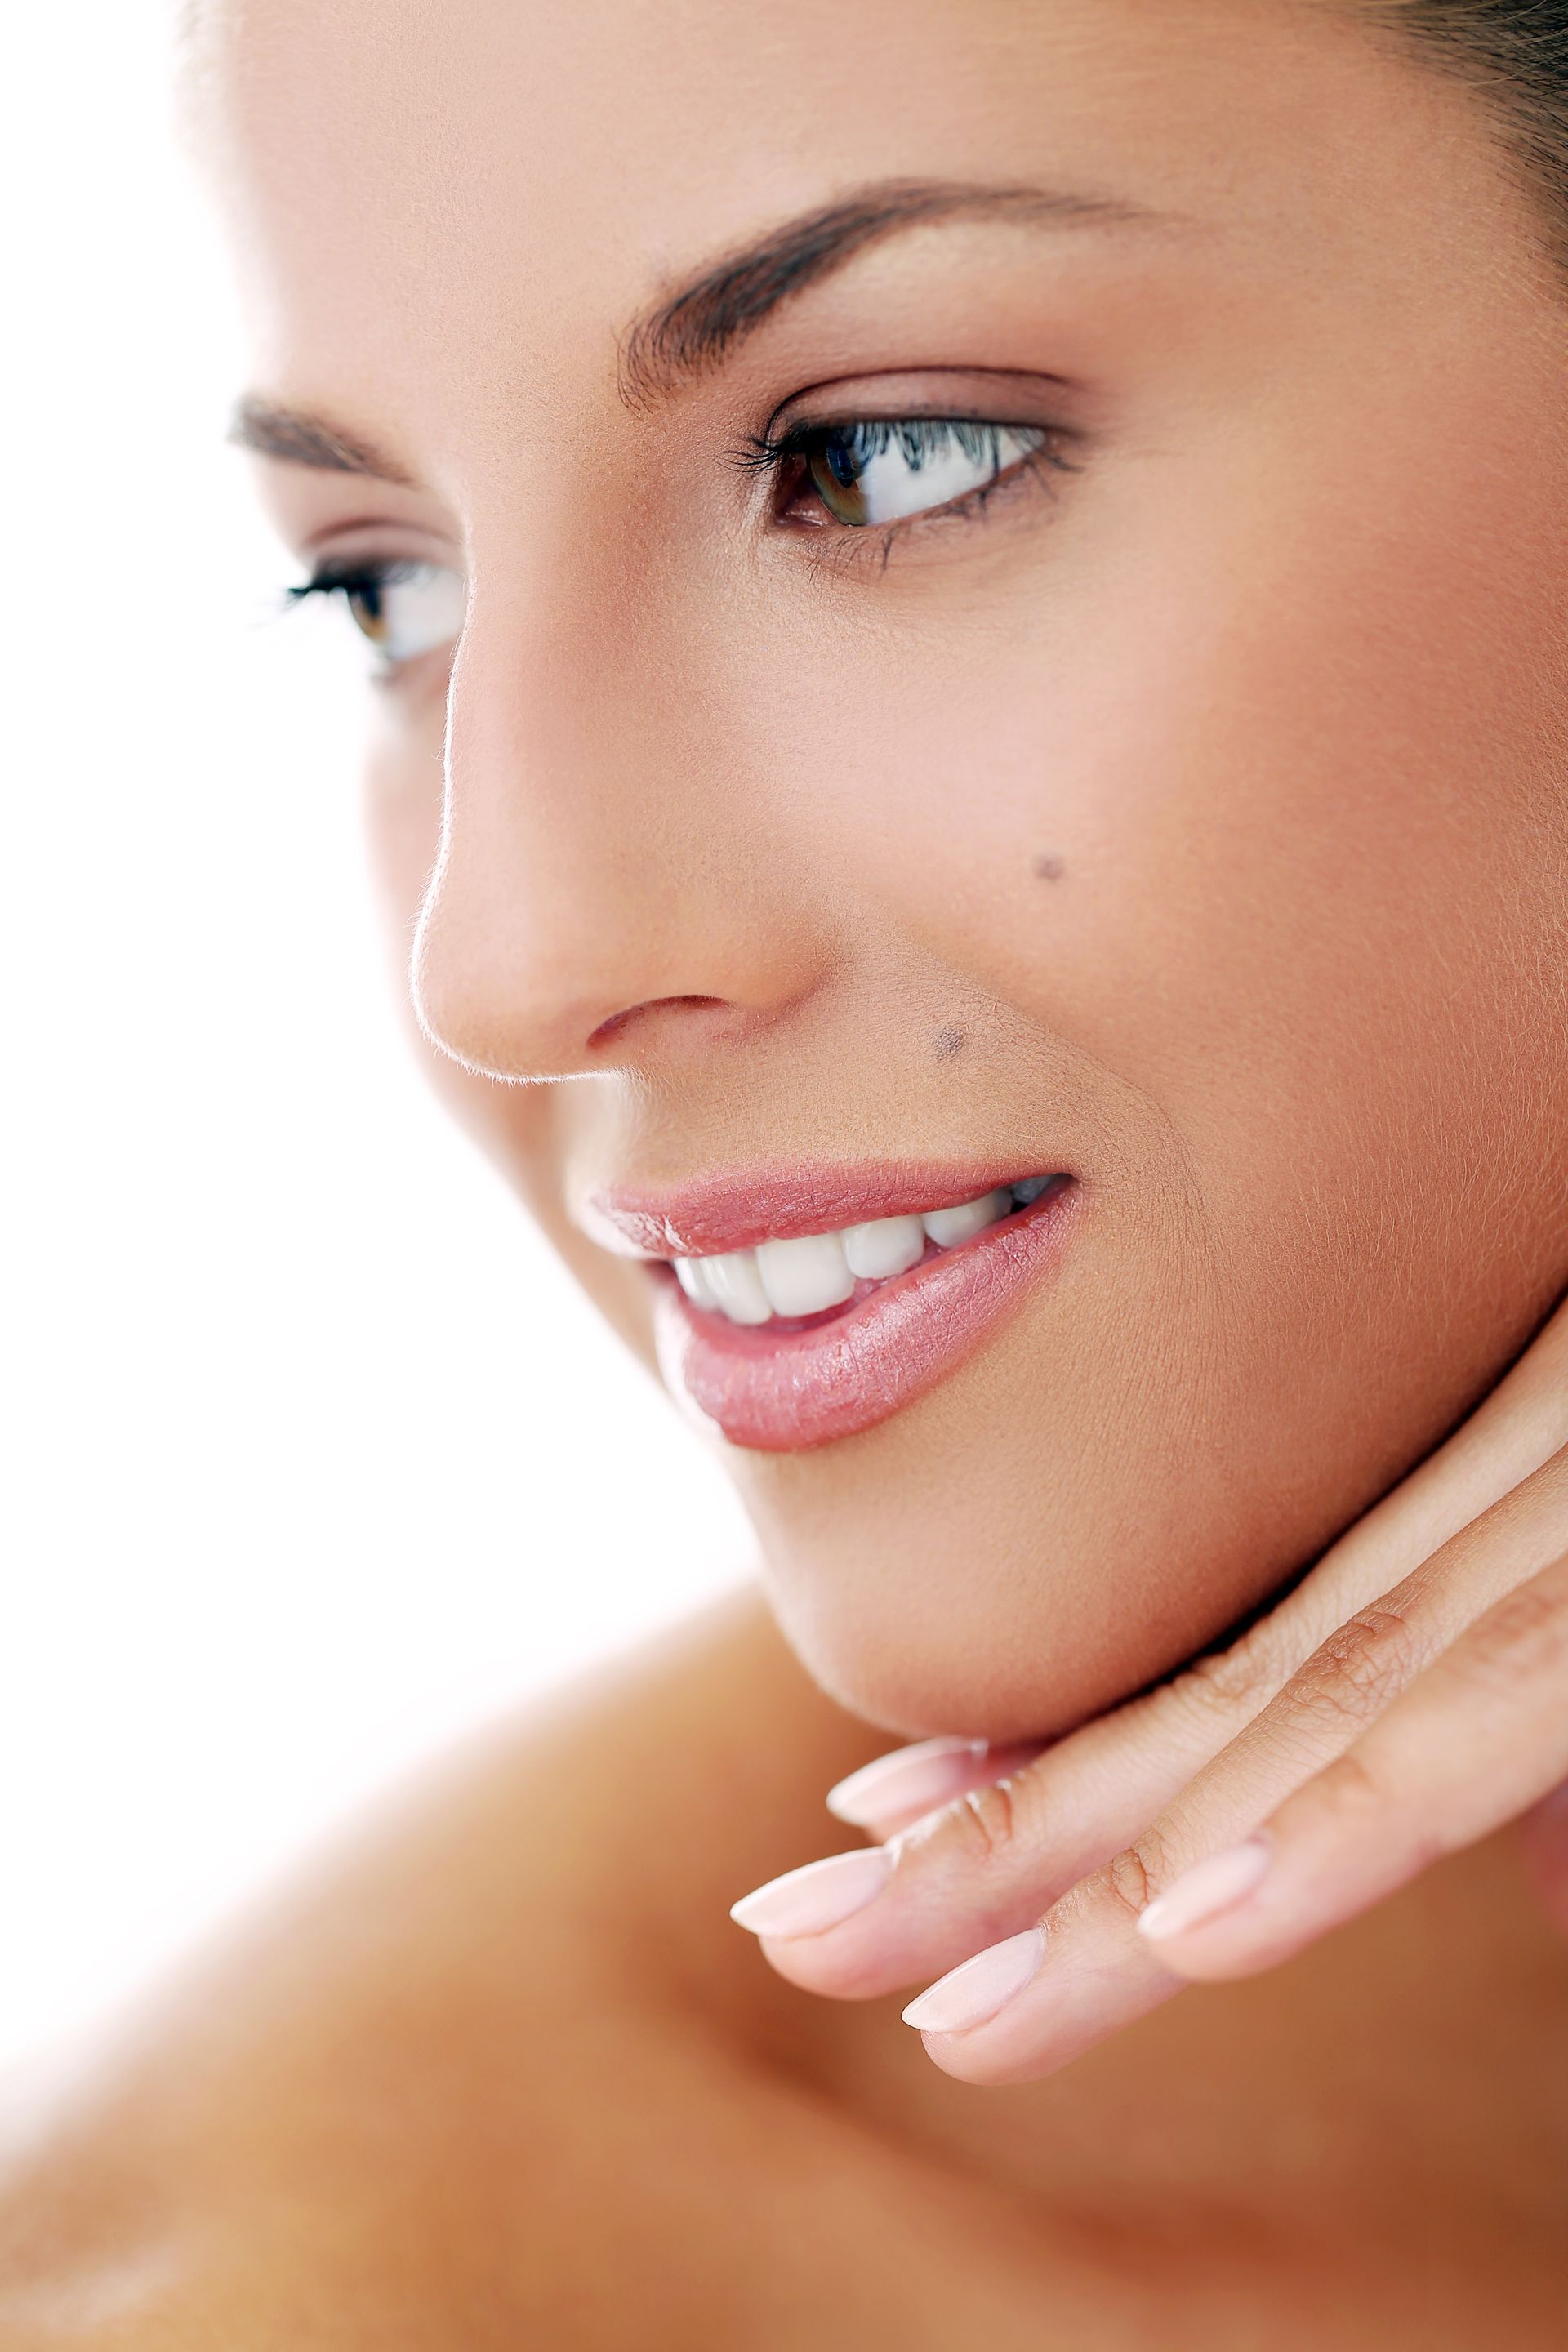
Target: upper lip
[[735, 1210]]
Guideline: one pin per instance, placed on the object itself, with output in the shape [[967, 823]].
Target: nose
[[614, 882]]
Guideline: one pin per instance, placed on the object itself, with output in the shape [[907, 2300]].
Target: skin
[[1268, 679], [1407, 1698], [1211, 796]]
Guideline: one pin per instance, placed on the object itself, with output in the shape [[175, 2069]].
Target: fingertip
[[907, 1783], [1218, 1885]]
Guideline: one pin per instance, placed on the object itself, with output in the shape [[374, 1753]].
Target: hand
[[1407, 1697]]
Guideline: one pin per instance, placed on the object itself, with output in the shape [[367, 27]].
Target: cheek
[[1272, 835], [1255, 800], [403, 817]]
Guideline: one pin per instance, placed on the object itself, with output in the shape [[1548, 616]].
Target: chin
[[1067, 1522], [966, 1568], [960, 1652]]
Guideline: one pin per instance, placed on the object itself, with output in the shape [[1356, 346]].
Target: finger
[[893, 1792], [986, 1864], [1367, 1662], [1086, 1976], [1516, 1428], [980, 1870], [1493, 1706], [1478, 1736], [866, 1924], [1026, 2006]]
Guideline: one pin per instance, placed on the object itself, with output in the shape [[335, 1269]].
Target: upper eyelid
[[854, 398], [369, 540], [343, 572], [764, 452], [781, 436], [330, 576], [802, 426]]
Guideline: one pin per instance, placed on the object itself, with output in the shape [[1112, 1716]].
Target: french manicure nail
[[967, 1995], [1210, 1886], [912, 1780], [819, 1895]]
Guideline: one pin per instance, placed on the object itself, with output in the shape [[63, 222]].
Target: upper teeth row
[[811, 1272]]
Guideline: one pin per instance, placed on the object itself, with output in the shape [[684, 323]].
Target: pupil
[[841, 462]]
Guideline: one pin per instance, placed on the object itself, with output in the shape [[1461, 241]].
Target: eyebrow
[[697, 328], [300, 438]]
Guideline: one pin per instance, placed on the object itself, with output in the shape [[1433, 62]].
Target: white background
[[294, 1488]]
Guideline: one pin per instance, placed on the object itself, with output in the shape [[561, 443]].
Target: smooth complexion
[[1184, 820], [1187, 821]]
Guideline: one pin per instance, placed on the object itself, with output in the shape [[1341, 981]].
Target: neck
[[1409, 2067]]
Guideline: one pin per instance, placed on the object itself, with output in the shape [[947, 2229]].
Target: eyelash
[[784, 459], [367, 584], [346, 580]]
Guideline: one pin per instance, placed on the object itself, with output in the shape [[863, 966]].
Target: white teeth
[[805, 1275], [811, 1272], [948, 1227], [887, 1246], [737, 1286], [691, 1273]]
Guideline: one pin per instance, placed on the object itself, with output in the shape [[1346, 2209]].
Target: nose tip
[[503, 1010], [610, 884], [557, 984]]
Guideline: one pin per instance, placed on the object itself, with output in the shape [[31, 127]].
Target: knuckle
[[1359, 1670], [1233, 1684], [1519, 1640], [1134, 1876], [1354, 1787], [986, 1824]]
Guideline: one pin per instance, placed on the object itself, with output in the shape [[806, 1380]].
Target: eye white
[[891, 484], [417, 608]]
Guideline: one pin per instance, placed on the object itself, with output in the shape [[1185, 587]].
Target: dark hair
[[1513, 54]]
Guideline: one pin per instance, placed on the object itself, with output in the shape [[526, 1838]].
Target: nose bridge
[[599, 853]]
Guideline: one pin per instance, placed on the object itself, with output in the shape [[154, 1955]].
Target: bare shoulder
[[407, 2100]]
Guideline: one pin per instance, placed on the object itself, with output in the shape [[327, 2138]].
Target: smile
[[807, 1274], [786, 1326]]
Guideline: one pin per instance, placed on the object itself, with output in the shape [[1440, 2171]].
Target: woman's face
[[1165, 789]]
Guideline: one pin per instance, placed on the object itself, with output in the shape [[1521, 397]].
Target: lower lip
[[779, 1389]]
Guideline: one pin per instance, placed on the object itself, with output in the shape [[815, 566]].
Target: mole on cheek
[[949, 1042], [1048, 868]]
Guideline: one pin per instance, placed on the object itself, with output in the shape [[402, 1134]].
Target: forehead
[[473, 186]]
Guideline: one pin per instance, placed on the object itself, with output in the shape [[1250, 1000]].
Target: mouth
[[786, 1326]]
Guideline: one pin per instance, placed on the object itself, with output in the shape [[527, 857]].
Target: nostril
[[608, 1031]]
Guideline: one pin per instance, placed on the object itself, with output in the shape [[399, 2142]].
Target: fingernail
[[969, 1995], [1210, 1886], [803, 1901], [912, 1780]]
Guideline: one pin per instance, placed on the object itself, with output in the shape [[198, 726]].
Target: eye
[[875, 471], [404, 609]]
